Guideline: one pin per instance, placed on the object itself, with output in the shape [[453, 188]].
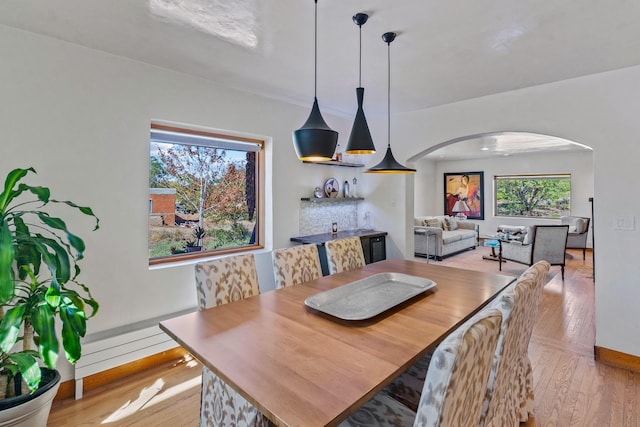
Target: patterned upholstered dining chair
[[344, 254], [295, 265], [509, 397], [218, 282], [525, 371], [455, 385]]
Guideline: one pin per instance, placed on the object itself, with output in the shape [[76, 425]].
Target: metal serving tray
[[369, 297]]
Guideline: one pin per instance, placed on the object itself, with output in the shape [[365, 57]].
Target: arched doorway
[[498, 153]]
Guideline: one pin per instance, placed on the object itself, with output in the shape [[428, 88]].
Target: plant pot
[[31, 410]]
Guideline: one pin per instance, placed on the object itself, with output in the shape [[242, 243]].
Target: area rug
[[473, 260]]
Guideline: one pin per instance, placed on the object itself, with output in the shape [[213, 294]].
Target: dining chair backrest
[[344, 254], [518, 304], [295, 265], [219, 282], [458, 374], [225, 280]]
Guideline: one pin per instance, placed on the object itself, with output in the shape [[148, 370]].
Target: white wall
[[426, 194], [81, 118], [578, 164], [599, 111]]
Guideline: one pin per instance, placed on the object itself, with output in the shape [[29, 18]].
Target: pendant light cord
[[389, 95], [315, 59], [360, 61]]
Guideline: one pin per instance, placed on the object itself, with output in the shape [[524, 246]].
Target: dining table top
[[302, 367]]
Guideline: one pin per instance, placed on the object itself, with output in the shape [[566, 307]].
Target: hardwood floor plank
[[570, 406], [166, 395]]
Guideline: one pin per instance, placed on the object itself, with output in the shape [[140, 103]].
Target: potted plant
[[195, 244], [38, 285]]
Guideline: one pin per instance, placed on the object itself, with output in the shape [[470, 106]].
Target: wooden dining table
[[302, 367]]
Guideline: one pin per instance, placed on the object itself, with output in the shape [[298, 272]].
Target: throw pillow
[[452, 224], [432, 222]]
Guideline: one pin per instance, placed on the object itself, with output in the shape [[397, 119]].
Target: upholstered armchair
[[295, 265], [578, 232], [543, 243]]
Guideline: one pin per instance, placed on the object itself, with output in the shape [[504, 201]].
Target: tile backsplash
[[317, 217]]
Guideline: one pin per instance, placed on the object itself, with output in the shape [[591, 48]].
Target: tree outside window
[[203, 189], [540, 196]]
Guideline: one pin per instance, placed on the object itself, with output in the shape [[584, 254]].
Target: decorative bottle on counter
[[345, 189]]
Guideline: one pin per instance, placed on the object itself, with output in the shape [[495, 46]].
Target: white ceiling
[[446, 51], [502, 144]]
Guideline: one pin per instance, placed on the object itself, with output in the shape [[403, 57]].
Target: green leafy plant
[[39, 281]]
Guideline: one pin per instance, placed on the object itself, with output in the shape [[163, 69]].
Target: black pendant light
[[360, 141], [315, 141], [389, 163]]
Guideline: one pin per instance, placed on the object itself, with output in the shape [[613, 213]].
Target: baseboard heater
[[115, 347]]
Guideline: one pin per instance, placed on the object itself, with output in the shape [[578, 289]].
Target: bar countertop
[[320, 239]]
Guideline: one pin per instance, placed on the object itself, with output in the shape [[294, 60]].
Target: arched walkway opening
[[496, 154]]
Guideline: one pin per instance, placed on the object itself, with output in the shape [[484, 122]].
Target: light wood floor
[[571, 388]]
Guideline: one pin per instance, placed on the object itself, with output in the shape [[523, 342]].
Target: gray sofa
[[432, 240]]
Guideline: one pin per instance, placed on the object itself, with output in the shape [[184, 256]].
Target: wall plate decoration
[[331, 187]]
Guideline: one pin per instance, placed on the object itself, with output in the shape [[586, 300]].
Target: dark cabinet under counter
[[373, 244]]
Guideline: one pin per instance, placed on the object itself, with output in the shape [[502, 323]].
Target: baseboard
[[617, 359], [67, 388]]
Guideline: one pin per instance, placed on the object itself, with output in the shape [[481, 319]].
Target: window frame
[[259, 188], [497, 178]]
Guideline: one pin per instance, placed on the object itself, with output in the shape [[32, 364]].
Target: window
[[204, 194], [539, 196]]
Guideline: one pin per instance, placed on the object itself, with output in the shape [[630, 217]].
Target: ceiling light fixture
[[360, 141], [315, 141], [389, 163]]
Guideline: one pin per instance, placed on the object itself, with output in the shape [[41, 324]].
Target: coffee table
[[494, 241]]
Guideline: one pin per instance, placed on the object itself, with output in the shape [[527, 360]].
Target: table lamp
[[459, 208]]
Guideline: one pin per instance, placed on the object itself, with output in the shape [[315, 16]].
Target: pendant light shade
[[389, 163], [315, 141], [360, 141]]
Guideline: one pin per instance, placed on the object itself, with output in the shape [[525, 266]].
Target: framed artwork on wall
[[463, 194]]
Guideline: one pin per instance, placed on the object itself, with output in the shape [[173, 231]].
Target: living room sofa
[[440, 236]]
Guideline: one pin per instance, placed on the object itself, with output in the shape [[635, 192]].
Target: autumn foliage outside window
[[203, 193]]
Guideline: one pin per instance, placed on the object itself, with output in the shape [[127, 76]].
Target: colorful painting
[[463, 194]]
